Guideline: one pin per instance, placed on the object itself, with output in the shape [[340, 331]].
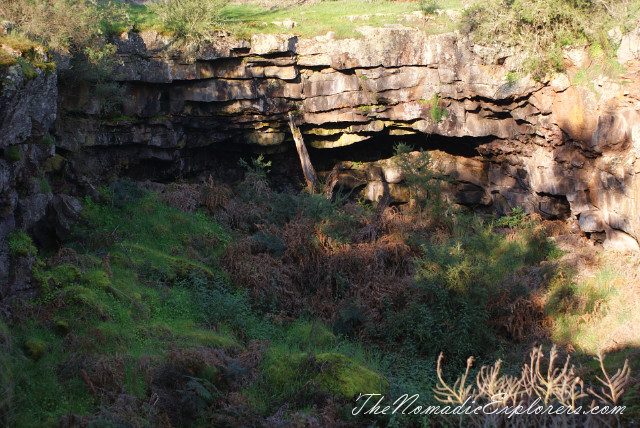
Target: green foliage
[[544, 27], [421, 180], [124, 192], [193, 19], [287, 374], [20, 244], [35, 348], [43, 184], [310, 335], [28, 71], [12, 154], [513, 220], [437, 112], [429, 7], [48, 140], [368, 108], [56, 277], [456, 280], [512, 78]]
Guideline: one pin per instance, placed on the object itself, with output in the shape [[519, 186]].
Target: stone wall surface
[[28, 109], [553, 148]]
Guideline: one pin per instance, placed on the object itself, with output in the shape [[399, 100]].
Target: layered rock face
[[27, 111], [552, 148]]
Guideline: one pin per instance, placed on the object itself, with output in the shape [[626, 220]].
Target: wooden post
[[307, 167]]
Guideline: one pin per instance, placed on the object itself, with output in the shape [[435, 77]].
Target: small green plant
[[513, 220], [12, 154], [437, 112], [29, 71], [511, 78], [20, 244], [368, 108], [538, 68], [48, 140], [429, 7], [35, 348], [43, 183]]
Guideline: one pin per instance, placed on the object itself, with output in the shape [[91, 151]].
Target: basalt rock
[[28, 108], [553, 148]]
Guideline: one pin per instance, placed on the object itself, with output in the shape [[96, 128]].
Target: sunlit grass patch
[[600, 312]]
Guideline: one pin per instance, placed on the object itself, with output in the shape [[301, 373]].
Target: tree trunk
[[307, 167]]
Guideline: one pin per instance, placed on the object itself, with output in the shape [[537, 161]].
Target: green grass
[[140, 18], [315, 19], [158, 291], [20, 244], [594, 313], [245, 19]]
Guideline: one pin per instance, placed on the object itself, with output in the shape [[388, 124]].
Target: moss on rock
[[334, 373], [62, 328], [86, 299], [57, 277], [20, 244], [310, 334], [96, 278], [35, 348], [210, 339]]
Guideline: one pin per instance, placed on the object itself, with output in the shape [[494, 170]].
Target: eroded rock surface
[[28, 108], [553, 148]]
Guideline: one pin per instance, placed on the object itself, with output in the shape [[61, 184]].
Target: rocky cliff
[[28, 99], [551, 147]]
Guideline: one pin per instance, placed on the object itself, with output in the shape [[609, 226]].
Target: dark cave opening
[[382, 147]]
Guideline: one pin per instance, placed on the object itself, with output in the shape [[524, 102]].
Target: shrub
[[192, 19], [183, 196], [35, 348], [61, 24], [515, 219], [43, 183], [125, 192], [543, 27], [421, 180], [12, 154], [437, 112], [20, 244], [429, 6]]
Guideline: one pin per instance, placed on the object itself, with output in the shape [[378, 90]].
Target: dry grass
[[603, 307], [542, 382]]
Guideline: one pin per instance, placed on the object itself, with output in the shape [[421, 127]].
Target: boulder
[[591, 221], [629, 46], [64, 212]]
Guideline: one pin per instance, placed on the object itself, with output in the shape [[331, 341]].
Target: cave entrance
[[382, 147]]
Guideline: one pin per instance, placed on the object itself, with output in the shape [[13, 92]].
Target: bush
[[429, 6], [421, 180], [125, 192], [192, 19], [437, 112], [60, 24], [20, 244], [544, 27], [12, 154]]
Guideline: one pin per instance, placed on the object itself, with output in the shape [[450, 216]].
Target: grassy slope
[[144, 289], [245, 19], [146, 286]]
